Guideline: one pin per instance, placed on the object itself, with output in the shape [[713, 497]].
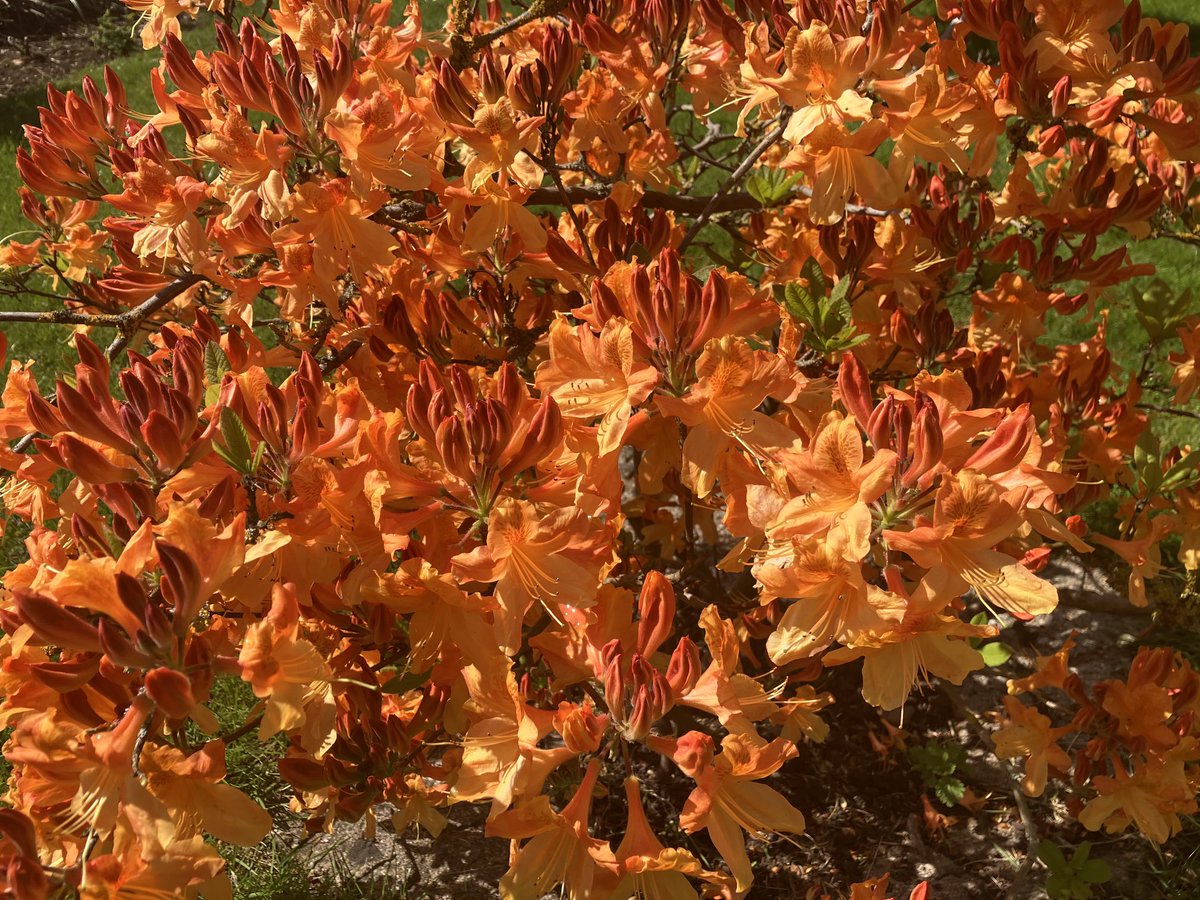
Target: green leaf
[[258, 455], [950, 791], [403, 682], [996, 653], [770, 187], [216, 364], [841, 294], [1183, 471], [1146, 460], [1095, 871], [800, 303], [812, 272], [1049, 853], [1161, 308], [236, 440]]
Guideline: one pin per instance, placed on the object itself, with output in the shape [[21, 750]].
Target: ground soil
[[27, 64]]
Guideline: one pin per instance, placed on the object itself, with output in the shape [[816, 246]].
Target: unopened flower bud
[[53, 624], [1052, 140], [683, 671], [451, 442], [1006, 446], [580, 727], [1060, 97], [854, 386], [656, 611], [171, 691], [928, 444]]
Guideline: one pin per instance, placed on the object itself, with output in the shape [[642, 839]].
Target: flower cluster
[[1134, 740]]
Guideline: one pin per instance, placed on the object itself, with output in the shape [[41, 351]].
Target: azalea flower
[[970, 517], [729, 801], [1027, 734], [557, 848], [592, 376], [648, 869], [534, 560]]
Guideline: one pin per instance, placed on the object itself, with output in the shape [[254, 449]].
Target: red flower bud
[[656, 612], [1052, 140], [1006, 446], [683, 671], [171, 691], [89, 463], [928, 443], [854, 387], [54, 624]]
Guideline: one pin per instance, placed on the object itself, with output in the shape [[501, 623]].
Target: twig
[[736, 178], [732, 201], [552, 170], [1170, 411], [335, 360], [463, 48], [57, 317], [136, 758], [240, 731], [128, 322]]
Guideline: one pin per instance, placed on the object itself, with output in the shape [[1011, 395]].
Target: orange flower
[[818, 83], [337, 224], [925, 642], [648, 869], [970, 517], [549, 560], [1152, 798], [557, 848], [831, 600], [290, 674], [728, 800], [720, 410], [192, 790], [835, 488], [841, 166], [591, 376], [1186, 377], [1027, 733]]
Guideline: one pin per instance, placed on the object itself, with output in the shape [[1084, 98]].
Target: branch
[[335, 360], [1169, 410], [463, 48], [128, 322], [552, 170], [732, 201], [736, 178], [58, 317]]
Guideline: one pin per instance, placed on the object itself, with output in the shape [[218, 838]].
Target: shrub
[[532, 412]]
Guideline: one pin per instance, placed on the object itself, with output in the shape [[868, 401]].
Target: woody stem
[[736, 178]]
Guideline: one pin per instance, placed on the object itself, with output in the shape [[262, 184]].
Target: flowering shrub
[[532, 408]]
